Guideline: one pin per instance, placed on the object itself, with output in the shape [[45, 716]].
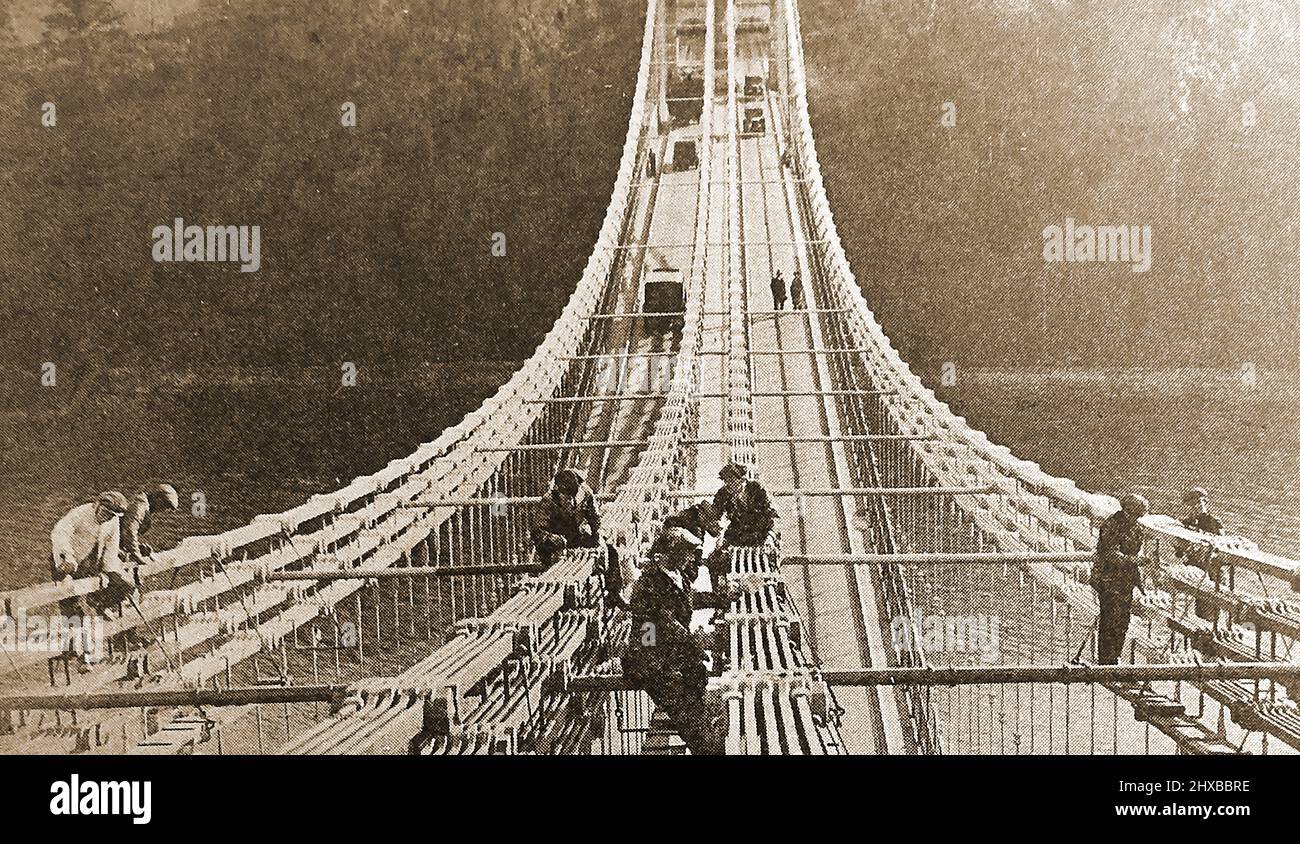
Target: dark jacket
[[1201, 555], [1119, 542], [660, 637], [136, 523], [1204, 522], [688, 519], [562, 518], [752, 515]]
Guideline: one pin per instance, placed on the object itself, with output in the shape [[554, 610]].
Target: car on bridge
[[753, 17], [663, 292], [682, 155]]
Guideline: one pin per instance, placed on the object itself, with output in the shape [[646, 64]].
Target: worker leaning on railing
[[1202, 556], [139, 518], [87, 542], [102, 538]]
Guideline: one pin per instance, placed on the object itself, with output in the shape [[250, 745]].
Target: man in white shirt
[[86, 542]]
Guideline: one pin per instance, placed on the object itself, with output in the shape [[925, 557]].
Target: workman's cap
[[168, 493], [114, 501], [676, 540], [1195, 494], [733, 470], [1135, 505], [568, 479]]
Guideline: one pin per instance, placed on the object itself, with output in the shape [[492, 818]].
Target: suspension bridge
[[406, 612]]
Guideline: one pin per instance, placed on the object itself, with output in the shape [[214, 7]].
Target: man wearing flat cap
[[568, 519], [1201, 556], [748, 508], [664, 657], [85, 543], [1115, 575]]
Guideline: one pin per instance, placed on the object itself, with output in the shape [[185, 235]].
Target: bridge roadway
[[838, 607]]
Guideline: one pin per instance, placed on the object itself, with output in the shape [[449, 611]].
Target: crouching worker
[[699, 520], [85, 543], [663, 656], [751, 517], [568, 519]]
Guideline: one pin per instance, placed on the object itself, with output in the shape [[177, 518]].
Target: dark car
[[662, 292]]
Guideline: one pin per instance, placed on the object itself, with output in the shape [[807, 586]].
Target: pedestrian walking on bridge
[[778, 292], [796, 290]]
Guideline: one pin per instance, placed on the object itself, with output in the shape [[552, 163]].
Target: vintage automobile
[[684, 156], [662, 292]]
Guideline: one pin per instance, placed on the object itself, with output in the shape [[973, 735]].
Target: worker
[[751, 517], [700, 520], [778, 292], [139, 518], [1115, 574], [796, 290], [85, 543], [1201, 556], [569, 518], [664, 657]]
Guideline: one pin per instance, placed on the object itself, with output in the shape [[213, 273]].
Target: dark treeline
[[1111, 113], [473, 118]]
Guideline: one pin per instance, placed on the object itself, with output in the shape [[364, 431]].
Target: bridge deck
[[844, 629]]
